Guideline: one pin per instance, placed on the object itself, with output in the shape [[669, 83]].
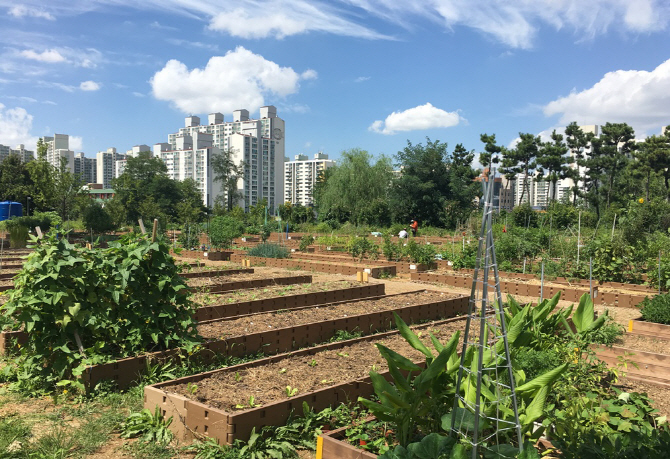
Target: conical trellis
[[487, 409]]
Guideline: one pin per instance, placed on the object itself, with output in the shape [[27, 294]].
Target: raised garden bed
[[252, 283], [213, 256], [330, 445], [642, 327], [275, 302], [216, 273], [338, 268], [652, 367], [125, 371], [340, 374], [402, 267]]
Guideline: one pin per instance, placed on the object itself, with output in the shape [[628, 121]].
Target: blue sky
[[344, 74]]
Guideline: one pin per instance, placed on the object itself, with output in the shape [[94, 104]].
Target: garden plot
[[243, 281], [227, 404], [262, 322]]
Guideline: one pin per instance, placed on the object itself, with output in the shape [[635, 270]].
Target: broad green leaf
[[411, 337], [542, 381]]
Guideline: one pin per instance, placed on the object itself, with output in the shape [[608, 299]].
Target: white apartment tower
[[120, 164], [58, 147], [300, 176], [106, 166], [191, 158], [256, 143]]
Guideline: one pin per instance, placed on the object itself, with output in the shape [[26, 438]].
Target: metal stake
[[542, 283]]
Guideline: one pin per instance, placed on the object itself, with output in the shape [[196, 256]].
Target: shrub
[[305, 242], [82, 307], [268, 250], [222, 231], [657, 309], [265, 231], [420, 253]]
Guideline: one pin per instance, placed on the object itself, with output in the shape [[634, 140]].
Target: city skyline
[[367, 74]]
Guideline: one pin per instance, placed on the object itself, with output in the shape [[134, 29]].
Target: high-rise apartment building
[[258, 144], [300, 176], [120, 164], [85, 168], [23, 154], [106, 166], [58, 147], [191, 158]]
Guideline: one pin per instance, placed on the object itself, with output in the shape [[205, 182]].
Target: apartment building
[[106, 166], [58, 148], [120, 164], [191, 158], [301, 174], [23, 154], [85, 168], [258, 144]]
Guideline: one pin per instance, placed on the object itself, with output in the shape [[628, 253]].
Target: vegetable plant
[[657, 309]]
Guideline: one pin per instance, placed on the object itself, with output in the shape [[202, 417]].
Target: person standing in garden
[[415, 227]]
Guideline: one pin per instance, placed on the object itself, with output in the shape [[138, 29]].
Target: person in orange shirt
[[415, 227]]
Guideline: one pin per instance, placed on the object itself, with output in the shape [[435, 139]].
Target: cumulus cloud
[[240, 79], [15, 126], [76, 143], [20, 11], [89, 86], [638, 97], [422, 117], [49, 55]]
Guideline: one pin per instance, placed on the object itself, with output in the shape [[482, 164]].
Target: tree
[[352, 186], [490, 154], [653, 157], [228, 173], [222, 231], [578, 142], [509, 166], [422, 190], [525, 154], [67, 190], [552, 158], [15, 181], [97, 219], [462, 186], [618, 143]]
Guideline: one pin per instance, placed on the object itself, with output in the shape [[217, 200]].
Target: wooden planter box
[[331, 268], [253, 283], [652, 368], [217, 273], [288, 302], [330, 445], [192, 417], [8, 338], [642, 327], [126, 371], [213, 256]]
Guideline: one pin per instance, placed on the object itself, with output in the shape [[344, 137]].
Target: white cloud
[[192, 44], [638, 97], [159, 26], [309, 74], [361, 79], [49, 102], [417, 118], [281, 19], [240, 79], [49, 55], [138, 94], [15, 126], [75, 143], [89, 86], [20, 11]]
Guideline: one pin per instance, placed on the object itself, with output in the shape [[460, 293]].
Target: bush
[[83, 307], [268, 250], [657, 309], [305, 242], [222, 231], [97, 219], [420, 253]]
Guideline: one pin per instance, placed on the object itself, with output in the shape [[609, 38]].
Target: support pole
[[591, 277], [542, 283], [579, 235], [613, 226], [659, 272]]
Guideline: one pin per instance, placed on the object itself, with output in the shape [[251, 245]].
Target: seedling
[[251, 403], [192, 388], [282, 371], [313, 363], [375, 368], [326, 381], [290, 391], [238, 378], [343, 354]]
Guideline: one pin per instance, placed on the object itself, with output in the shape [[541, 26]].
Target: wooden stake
[[155, 229], [144, 231], [39, 232]]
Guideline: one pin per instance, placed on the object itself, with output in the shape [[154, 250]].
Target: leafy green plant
[[657, 309], [268, 250], [420, 253], [264, 445], [467, 258], [222, 231], [290, 391], [86, 306], [584, 319], [391, 251], [265, 231], [359, 246], [305, 242], [150, 427]]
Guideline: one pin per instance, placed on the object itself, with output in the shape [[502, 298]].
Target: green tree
[[349, 189], [462, 186], [228, 173], [551, 156], [15, 181], [578, 142], [67, 190], [653, 157], [97, 219], [422, 190], [491, 151], [222, 231], [525, 154], [616, 148]]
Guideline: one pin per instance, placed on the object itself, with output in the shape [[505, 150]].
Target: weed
[[282, 371], [290, 391], [192, 388], [149, 427], [313, 363]]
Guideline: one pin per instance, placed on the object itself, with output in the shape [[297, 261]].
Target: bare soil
[[232, 391], [644, 343], [280, 319], [270, 292]]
